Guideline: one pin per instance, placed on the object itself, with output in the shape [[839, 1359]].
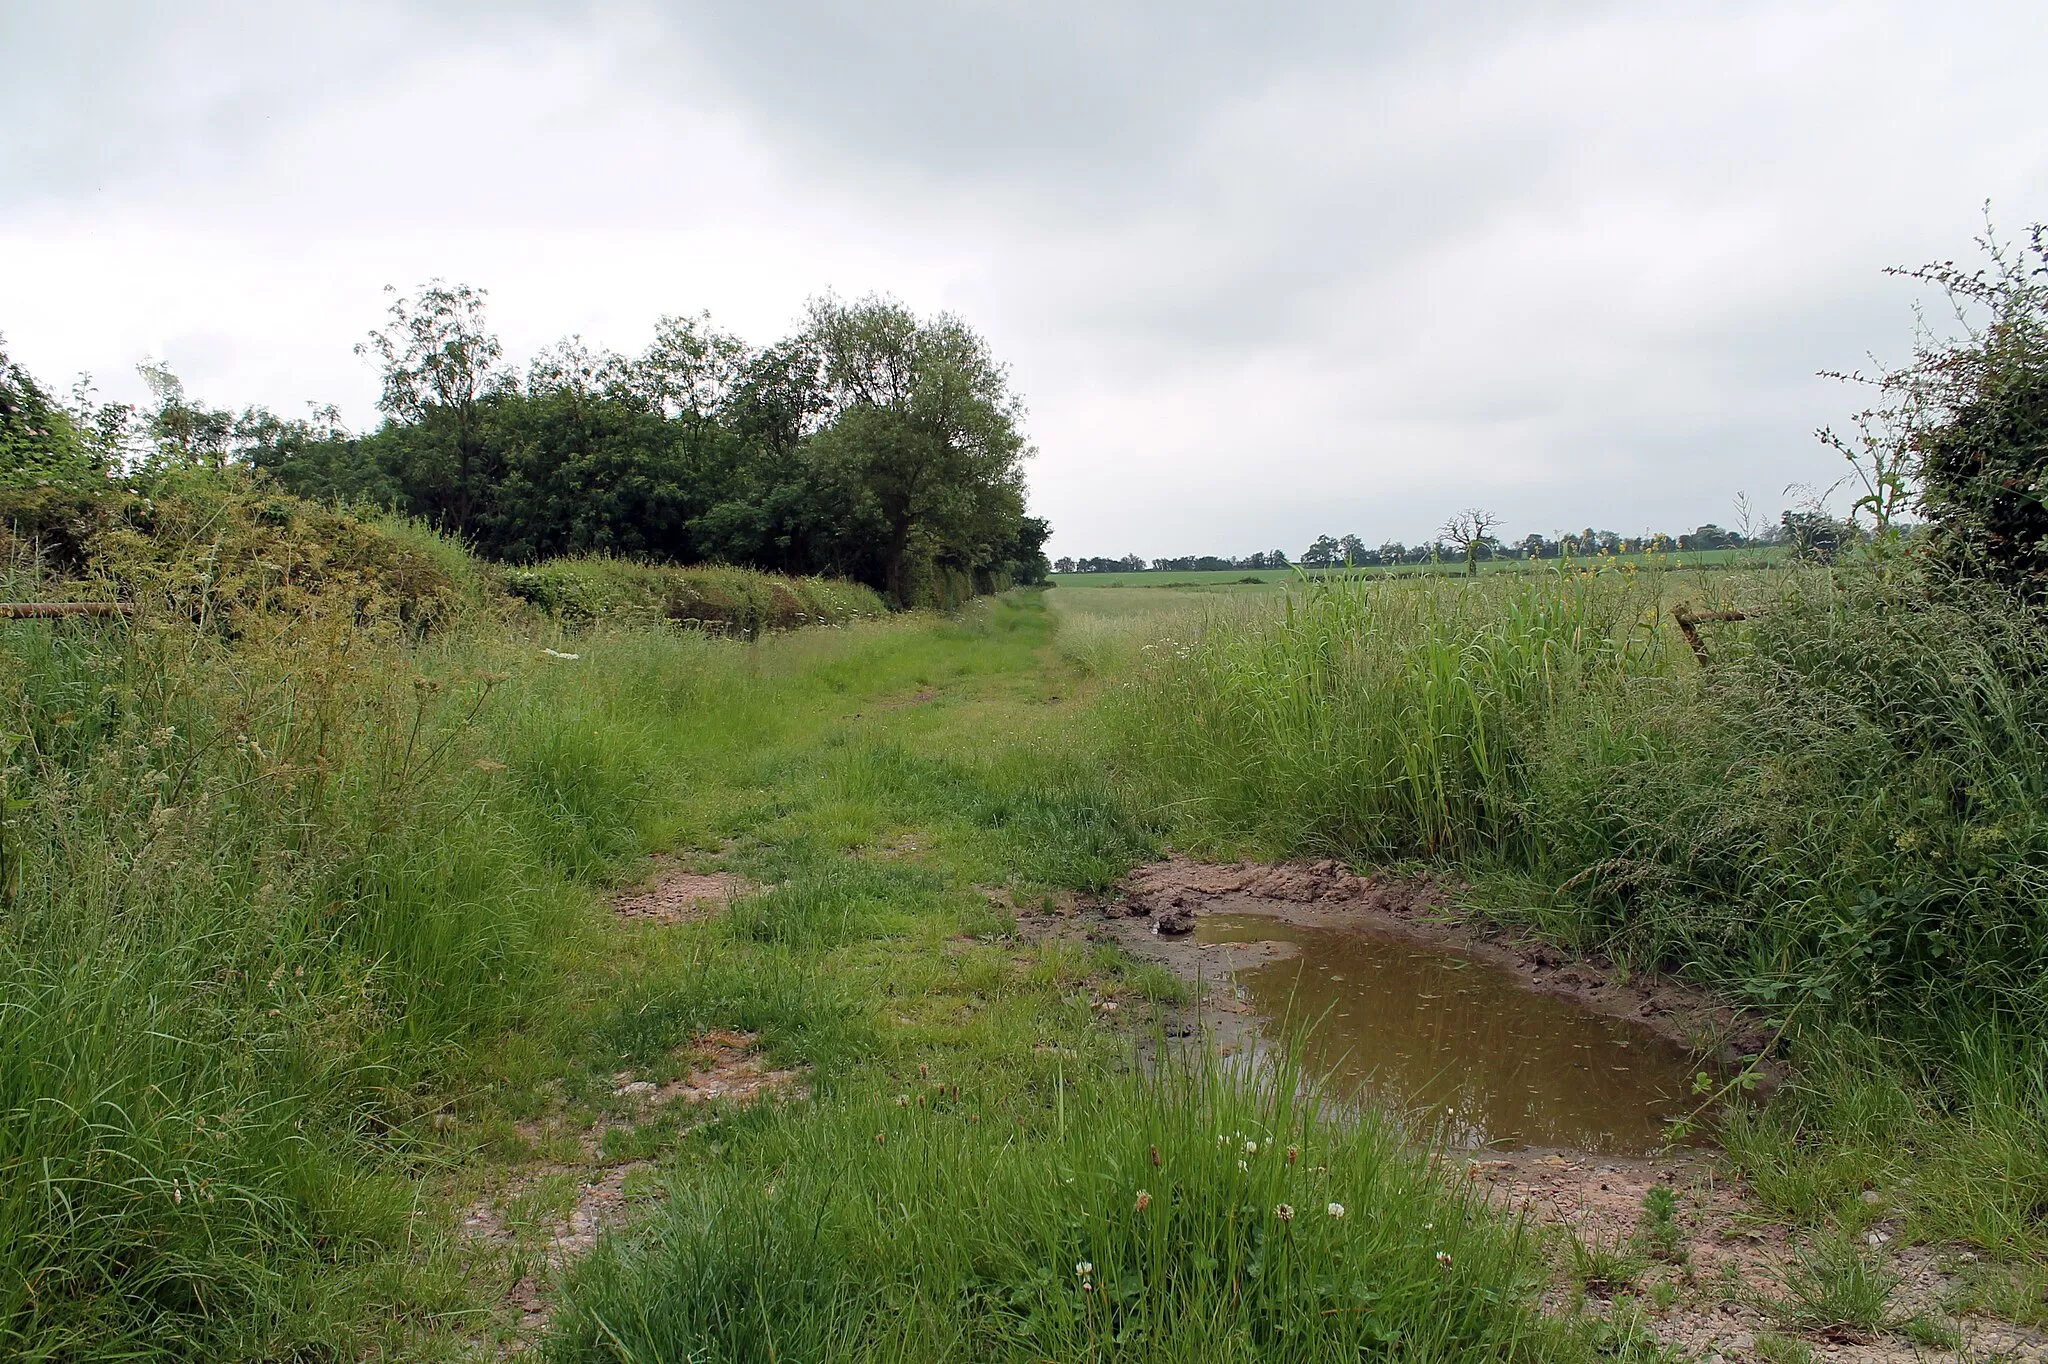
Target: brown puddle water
[[1459, 1043]]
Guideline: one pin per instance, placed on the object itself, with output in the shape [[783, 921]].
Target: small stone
[[1872, 1197]]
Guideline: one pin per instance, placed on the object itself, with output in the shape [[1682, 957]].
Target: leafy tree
[[440, 364], [1323, 553], [1814, 535], [184, 433], [40, 442], [924, 424], [1975, 410]]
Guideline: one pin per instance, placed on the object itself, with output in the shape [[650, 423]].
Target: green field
[[1714, 558]]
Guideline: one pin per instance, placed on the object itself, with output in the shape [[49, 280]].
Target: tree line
[[869, 444], [1464, 540]]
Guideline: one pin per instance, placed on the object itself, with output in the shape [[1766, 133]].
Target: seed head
[[1293, 1154], [1144, 1201], [1443, 1259], [1155, 1157]]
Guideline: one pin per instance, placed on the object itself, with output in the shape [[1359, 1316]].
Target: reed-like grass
[[1380, 718]]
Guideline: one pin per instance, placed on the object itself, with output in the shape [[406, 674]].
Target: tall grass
[[1842, 819], [254, 890], [1849, 806], [1185, 1215], [1382, 718]]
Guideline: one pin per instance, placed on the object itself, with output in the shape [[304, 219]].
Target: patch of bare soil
[[1155, 911], [675, 894], [553, 1212], [1714, 1298]]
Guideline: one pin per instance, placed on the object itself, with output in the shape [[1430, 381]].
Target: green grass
[[1061, 1214], [1835, 1285]]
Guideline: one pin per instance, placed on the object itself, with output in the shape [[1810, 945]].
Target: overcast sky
[[1261, 271]]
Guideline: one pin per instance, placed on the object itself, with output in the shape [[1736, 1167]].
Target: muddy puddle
[[1457, 1041]]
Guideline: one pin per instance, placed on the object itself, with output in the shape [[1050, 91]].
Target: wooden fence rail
[[38, 610], [1690, 620]]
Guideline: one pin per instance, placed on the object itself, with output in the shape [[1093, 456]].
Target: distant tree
[[1534, 546], [440, 363], [1065, 564], [1814, 535], [1470, 533], [1323, 553], [1353, 550], [181, 431]]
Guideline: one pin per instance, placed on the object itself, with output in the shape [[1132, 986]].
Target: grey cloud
[[1583, 258]]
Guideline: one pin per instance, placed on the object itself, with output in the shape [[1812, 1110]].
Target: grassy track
[[282, 1010]]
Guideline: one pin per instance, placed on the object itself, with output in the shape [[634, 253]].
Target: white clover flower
[[1251, 1148], [1242, 1167], [1284, 1211], [1084, 1268], [1336, 1210], [1443, 1259]]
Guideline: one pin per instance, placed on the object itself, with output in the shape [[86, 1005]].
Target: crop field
[[350, 1013]]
